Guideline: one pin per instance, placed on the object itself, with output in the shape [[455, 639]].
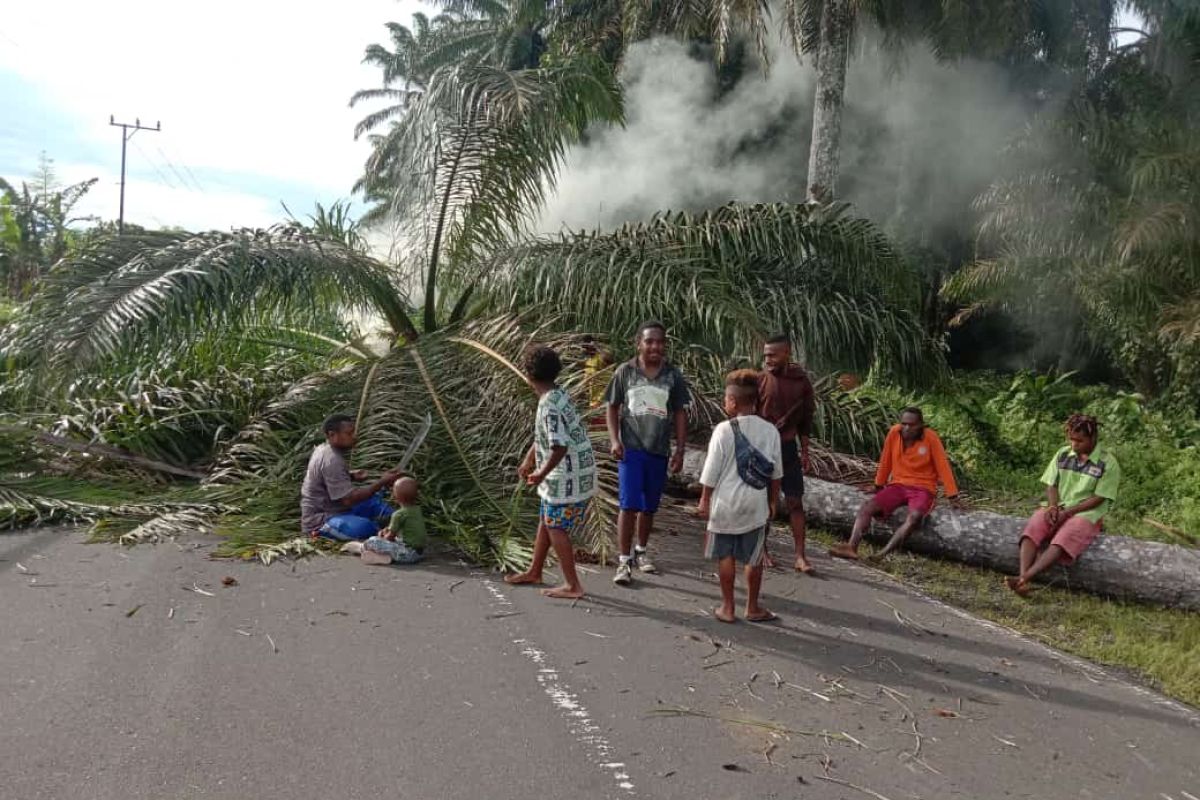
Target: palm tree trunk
[[832, 52]]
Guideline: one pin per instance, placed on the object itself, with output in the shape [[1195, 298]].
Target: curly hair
[[542, 364], [744, 383], [1083, 424]]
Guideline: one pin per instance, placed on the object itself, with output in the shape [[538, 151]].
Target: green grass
[[1158, 646]]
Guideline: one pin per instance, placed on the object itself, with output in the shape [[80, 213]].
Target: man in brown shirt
[[785, 398]]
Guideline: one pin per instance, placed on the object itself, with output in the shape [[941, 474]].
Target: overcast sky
[[252, 96]]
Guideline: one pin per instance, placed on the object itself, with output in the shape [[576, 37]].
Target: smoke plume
[[920, 139]]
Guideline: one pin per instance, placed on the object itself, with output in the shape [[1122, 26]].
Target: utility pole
[[128, 129]]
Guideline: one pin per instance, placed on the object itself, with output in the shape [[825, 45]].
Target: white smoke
[[920, 138]]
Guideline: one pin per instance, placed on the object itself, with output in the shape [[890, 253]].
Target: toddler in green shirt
[[404, 540]]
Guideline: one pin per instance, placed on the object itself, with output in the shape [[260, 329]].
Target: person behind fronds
[[1081, 485]]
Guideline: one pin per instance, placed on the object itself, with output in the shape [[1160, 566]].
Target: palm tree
[[1096, 232], [126, 300]]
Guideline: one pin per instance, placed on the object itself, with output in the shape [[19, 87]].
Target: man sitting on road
[[1081, 483], [912, 464], [330, 506]]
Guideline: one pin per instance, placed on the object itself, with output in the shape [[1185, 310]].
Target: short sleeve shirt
[[326, 482], [1078, 479], [558, 425], [736, 506], [648, 405], [408, 524]]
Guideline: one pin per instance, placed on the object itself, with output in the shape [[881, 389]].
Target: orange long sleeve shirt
[[922, 464]]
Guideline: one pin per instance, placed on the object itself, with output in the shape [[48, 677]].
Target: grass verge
[[1158, 646]]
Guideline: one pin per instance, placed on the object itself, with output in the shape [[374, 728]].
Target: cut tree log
[[1114, 566]]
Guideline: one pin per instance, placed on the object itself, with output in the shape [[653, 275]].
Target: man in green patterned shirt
[[1081, 484]]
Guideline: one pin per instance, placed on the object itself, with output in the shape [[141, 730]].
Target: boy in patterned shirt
[[562, 466]]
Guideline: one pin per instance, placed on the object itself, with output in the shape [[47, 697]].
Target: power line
[[174, 170], [162, 178], [128, 129]]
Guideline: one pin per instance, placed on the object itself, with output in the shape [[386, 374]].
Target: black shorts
[[793, 470]]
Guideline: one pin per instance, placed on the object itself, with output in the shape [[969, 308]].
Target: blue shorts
[[360, 522], [642, 477]]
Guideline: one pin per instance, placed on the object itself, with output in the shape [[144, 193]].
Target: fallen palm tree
[[1115, 566]]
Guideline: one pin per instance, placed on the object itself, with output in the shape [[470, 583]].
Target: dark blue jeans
[[361, 522]]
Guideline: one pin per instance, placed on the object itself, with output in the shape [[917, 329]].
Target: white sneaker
[[624, 575], [644, 563]]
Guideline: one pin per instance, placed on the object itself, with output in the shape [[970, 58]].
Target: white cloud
[[243, 88]]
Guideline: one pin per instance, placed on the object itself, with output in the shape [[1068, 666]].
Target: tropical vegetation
[[203, 362]]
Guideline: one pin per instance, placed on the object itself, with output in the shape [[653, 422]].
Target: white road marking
[[579, 720]]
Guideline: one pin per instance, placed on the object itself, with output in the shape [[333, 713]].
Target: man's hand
[[391, 476], [616, 449], [387, 534], [535, 478], [702, 510], [358, 475], [1054, 515], [805, 460], [676, 465]]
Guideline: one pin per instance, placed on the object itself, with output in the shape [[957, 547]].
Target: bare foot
[[563, 592], [843, 550], [802, 566], [1021, 587], [522, 577], [724, 615]]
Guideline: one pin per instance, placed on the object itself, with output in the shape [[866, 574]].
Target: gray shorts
[[746, 548]]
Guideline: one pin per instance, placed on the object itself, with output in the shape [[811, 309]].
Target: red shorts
[[892, 496], [1073, 536]]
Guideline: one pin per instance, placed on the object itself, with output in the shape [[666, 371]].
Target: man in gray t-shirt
[[330, 506], [647, 401]]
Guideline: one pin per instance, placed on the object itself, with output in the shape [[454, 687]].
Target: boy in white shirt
[[737, 511]]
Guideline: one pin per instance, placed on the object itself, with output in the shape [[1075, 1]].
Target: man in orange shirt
[[912, 464]]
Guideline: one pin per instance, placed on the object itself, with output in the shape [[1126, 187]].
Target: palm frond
[[724, 279], [165, 289]]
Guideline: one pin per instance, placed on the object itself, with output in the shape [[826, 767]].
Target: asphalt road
[[329, 679]]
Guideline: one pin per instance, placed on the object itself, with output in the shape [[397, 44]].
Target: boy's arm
[[556, 455], [773, 499]]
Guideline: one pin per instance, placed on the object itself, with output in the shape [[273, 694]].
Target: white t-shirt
[[735, 506]]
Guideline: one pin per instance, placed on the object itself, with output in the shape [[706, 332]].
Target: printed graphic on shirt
[[647, 400]]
